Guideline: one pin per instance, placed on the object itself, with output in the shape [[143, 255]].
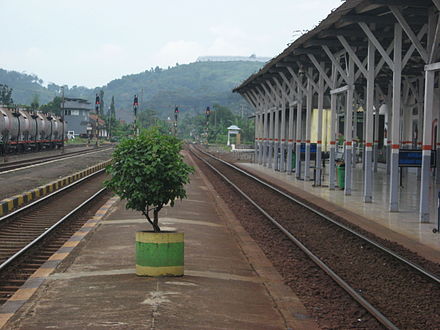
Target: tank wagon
[[22, 130]]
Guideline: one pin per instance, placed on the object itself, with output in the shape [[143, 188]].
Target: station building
[[81, 120], [364, 86]]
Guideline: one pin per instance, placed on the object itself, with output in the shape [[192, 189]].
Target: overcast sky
[[91, 42]]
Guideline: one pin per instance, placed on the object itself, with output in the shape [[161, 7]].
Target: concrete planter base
[[159, 254]]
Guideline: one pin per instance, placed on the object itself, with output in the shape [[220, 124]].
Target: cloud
[[180, 51]]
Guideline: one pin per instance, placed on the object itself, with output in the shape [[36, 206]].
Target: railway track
[[28, 163], [397, 292], [30, 235]]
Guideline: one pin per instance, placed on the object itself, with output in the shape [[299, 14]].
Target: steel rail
[[409, 263], [22, 164], [352, 292], [28, 206], [12, 258]]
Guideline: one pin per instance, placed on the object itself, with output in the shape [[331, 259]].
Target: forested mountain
[[190, 86]]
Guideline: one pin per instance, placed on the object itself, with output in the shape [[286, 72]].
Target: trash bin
[[340, 171], [293, 160]]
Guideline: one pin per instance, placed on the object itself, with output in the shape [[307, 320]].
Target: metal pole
[[368, 178], [426, 147], [309, 99], [395, 139], [333, 99], [298, 134], [319, 137], [349, 128]]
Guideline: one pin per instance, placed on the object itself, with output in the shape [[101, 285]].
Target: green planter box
[[159, 254], [340, 170]]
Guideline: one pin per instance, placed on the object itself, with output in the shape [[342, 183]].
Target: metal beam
[[273, 100], [298, 82], [437, 4], [412, 36], [432, 67], [335, 63], [312, 80], [341, 89], [351, 53], [292, 90], [435, 42], [377, 44], [411, 49], [320, 70]]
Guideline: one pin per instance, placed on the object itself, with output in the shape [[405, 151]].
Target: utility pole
[[135, 107], [97, 105]]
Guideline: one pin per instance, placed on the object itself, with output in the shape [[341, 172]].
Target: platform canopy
[[365, 54]]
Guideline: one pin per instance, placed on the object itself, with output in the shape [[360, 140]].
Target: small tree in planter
[[148, 172]]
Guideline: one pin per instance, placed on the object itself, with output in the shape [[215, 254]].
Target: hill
[[190, 86]]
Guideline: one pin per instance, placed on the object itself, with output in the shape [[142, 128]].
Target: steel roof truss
[[298, 82], [321, 70], [410, 33], [411, 49], [435, 42], [291, 85], [351, 53], [377, 44], [335, 63]]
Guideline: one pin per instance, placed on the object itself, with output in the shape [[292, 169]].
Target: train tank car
[[22, 130]]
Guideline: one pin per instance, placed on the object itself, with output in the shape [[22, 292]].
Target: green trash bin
[[293, 160], [340, 170]]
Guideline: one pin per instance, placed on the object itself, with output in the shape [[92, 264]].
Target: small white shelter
[[233, 130]]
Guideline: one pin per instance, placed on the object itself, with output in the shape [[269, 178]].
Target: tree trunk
[[156, 220]]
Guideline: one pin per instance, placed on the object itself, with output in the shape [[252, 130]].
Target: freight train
[[22, 130]]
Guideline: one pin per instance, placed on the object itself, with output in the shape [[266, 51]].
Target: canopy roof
[[344, 21]]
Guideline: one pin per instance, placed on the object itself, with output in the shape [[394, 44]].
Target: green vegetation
[[5, 94], [194, 127], [149, 172], [191, 86]]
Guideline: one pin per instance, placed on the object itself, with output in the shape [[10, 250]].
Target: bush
[[149, 172]]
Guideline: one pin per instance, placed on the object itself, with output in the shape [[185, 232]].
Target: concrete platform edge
[[287, 303], [21, 296], [13, 203], [351, 217]]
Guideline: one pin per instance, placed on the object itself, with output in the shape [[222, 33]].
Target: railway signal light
[[97, 103], [176, 113]]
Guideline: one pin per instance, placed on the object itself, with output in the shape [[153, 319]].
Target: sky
[[91, 42]]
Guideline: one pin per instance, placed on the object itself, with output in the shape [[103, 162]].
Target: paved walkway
[[402, 227], [228, 282]]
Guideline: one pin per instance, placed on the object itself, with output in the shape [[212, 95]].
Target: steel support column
[[276, 139], [290, 139], [395, 140], [319, 137], [271, 137], [298, 135], [426, 147], [368, 133], [309, 99], [349, 128], [283, 137], [333, 99]]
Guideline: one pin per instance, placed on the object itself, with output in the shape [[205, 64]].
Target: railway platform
[[402, 227], [228, 281]]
